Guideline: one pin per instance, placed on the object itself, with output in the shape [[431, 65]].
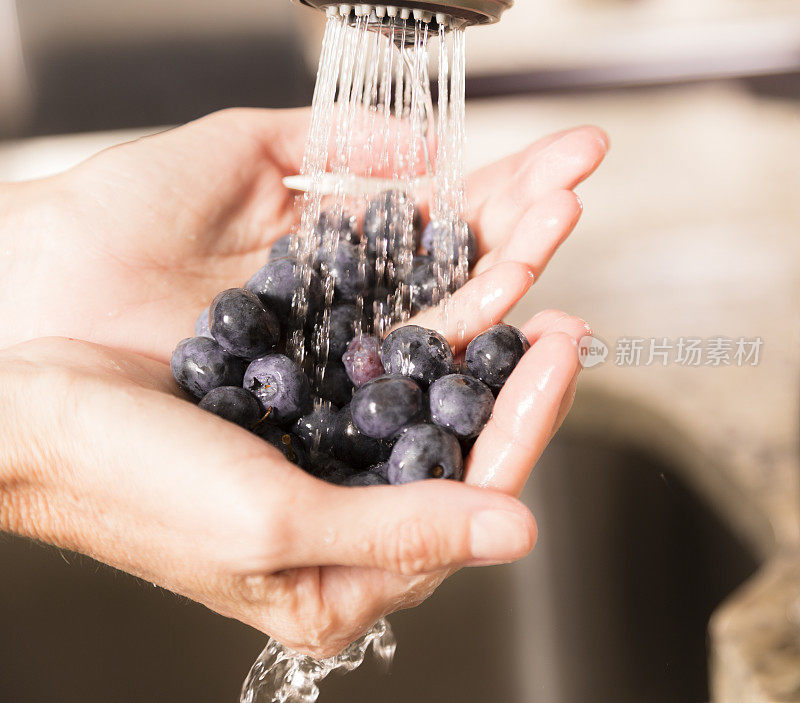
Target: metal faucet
[[463, 11]]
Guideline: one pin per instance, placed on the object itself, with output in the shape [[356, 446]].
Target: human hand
[[222, 543], [128, 247], [116, 465]]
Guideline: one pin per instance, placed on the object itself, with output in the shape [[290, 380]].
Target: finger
[[280, 133], [548, 321], [537, 235], [370, 145], [563, 164], [566, 402], [479, 304], [524, 415], [483, 182], [414, 529]]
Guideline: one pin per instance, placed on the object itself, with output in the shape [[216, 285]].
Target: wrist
[[30, 451], [33, 223], [16, 474]]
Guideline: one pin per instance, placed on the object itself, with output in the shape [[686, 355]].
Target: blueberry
[[200, 365], [423, 283], [460, 403], [316, 427], [335, 386], [280, 386], [383, 406], [425, 451], [354, 447], [288, 443], [522, 338], [202, 327], [442, 232], [351, 276], [241, 324], [275, 284], [382, 303], [467, 445], [381, 469], [281, 247], [331, 470], [362, 360], [233, 403], [492, 356], [341, 222], [342, 328], [419, 353], [365, 478], [387, 218]]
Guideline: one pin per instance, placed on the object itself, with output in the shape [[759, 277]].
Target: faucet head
[[449, 12]]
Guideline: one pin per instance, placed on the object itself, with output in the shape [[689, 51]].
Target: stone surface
[[690, 230]]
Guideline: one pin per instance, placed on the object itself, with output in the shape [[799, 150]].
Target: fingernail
[[499, 536]]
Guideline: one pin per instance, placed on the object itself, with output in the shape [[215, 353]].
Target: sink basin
[[613, 605]]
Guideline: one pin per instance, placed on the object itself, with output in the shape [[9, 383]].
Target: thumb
[[412, 529]]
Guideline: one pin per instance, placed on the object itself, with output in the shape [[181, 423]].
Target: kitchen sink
[[612, 606]]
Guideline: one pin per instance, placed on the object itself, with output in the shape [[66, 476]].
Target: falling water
[[284, 676], [373, 131]]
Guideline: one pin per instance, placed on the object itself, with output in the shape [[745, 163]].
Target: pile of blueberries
[[390, 410]]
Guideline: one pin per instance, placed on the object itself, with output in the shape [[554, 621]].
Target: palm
[[174, 220], [204, 502]]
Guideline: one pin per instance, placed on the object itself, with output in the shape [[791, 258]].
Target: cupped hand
[[117, 465], [128, 247], [124, 251]]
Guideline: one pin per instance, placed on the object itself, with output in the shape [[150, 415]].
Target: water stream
[[373, 123]]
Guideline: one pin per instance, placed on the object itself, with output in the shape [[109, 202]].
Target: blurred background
[[668, 566]]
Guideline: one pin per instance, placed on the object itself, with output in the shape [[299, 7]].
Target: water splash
[[280, 675]]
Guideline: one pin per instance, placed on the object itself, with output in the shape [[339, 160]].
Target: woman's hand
[[100, 454], [127, 248]]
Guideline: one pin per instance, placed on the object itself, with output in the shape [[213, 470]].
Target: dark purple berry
[[200, 365], [331, 470], [233, 403], [280, 386], [423, 283], [342, 328], [383, 406], [335, 385], [353, 447], [341, 222], [382, 470], [362, 360], [425, 451], [278, 280], [351, 276], [281, 247], [462, 404], [288, 443], [202, 327], [419, 353], [316, 427], [493, 355], [441, 234], [365, 478], [392, 220], [241, 324]]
